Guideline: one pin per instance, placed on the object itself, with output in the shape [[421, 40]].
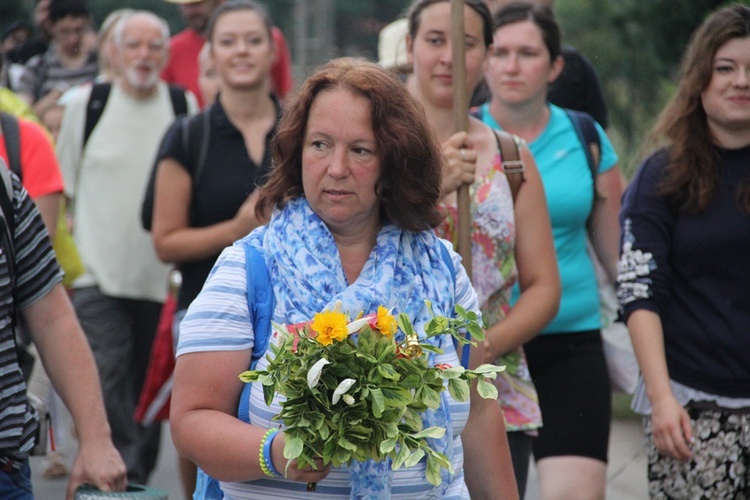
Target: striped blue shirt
[[219, 320]]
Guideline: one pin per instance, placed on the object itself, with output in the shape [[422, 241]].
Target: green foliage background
[[634, 45]]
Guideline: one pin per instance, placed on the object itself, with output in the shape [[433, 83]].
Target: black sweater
[[694, 271]]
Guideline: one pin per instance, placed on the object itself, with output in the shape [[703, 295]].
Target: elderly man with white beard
[[108, 139]]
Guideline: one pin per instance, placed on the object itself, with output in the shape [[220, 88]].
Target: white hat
[[392, 44]]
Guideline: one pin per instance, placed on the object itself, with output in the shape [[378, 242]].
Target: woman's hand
[[460, 164], [293, 471], [671, 428]]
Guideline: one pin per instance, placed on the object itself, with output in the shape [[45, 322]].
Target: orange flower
[[330, 326]]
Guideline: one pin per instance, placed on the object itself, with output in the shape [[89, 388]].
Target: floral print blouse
[[494, 274]]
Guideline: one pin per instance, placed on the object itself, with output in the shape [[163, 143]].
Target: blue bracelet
[[267, 452]]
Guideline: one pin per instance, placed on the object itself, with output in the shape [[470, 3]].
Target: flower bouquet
[[359, 397]]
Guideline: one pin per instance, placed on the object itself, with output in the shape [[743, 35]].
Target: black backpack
[[98, 101], [94, 110]]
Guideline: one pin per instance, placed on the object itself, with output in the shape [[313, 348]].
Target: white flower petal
[[357, 325], [313, 376], [344, 386], [348, 399]]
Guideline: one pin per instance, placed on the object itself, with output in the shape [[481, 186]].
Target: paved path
[[627, 468]]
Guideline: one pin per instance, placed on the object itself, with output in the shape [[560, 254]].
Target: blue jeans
[[16, 485]]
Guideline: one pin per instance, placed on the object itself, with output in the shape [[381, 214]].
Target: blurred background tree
[[636, 48], [634, 45]]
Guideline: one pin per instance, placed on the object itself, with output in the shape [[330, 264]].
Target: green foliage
[[366, 401], [636, 48]]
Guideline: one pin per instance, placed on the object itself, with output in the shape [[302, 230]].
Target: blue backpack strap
[[206, 487], [465, 349], [261, 303]]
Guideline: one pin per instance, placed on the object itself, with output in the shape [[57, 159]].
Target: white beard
[[137, 81]]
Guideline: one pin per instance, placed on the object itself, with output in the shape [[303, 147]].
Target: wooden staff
[[461, 120]]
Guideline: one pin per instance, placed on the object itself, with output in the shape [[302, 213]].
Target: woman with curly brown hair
[[353, 200]]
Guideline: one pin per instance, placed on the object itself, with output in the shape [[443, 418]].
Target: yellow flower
[[386, 322], [330, 326]]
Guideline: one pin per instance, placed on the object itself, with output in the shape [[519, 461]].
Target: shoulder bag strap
[[510, 157]]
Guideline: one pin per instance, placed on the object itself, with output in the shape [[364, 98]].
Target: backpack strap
[[95, 108], [7, 217], [465, 351], [179, 101], [98, 101], [261, 304], [585, 129], [199, 133], [12, 134], [195, 133], [8, 229]]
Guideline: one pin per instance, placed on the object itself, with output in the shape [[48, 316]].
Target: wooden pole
[[461, 120]]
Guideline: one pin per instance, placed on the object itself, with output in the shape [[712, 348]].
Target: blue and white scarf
[[403, 269]]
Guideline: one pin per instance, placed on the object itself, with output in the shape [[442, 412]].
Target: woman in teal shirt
[[566, 361]]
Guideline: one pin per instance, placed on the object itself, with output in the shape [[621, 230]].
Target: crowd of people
[[164, 154]]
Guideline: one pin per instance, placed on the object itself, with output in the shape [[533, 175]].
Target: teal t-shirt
[[561, 159]]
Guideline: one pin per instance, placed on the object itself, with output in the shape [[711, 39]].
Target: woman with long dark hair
[[684, 279]]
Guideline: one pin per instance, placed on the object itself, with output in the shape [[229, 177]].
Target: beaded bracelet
[[264, 454]]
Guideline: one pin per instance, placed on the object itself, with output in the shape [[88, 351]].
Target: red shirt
[[39, 166], [182, 68]]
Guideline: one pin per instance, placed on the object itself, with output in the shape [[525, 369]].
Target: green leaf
[[437, 325], [346, 444], [403, 454], [476, 331], [378, 402], [396, 397], [431, 348], [414, 458], [249, 376], [488, 368], [341, 457], [430, 398], [453, 372], [324, 432], [430, 432], [388, 446], [268, 393], [433, 471], [404, 324], [293, 447], [387, 371], [459, 389], [486, 389]]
